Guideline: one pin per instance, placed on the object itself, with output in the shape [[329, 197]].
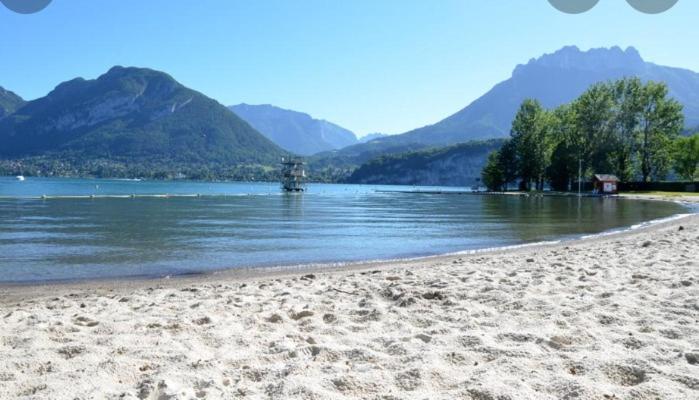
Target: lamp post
[[579, 177]]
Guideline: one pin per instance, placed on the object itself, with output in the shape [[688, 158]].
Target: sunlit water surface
[[245, 225]]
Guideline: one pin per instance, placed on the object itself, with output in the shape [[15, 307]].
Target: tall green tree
[[563, 167], [493, 174], [623, 127], [686, 156], [529, 138], [628, 99], [508, 162], [661, 121], [592, 137]]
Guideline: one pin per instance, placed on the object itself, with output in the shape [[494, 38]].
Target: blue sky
[[369, 65]]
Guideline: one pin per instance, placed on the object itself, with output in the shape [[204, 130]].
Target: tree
[[563, 167], [623, 127], [493, 174], [508, 162], [592, 138], [661, 121], [530, 142], [628, 98], [686, 156]]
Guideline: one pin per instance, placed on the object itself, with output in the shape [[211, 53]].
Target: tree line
[[64, 165], [627, 128]]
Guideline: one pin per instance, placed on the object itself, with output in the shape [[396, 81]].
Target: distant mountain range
[[294, 131], [371, 137], [553, 79], [141, 122], [133, 116], [9, 102]]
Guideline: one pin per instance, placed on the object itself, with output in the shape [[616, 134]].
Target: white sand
[[610, 318]]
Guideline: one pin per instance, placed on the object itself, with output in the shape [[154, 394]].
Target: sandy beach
[[614, 317]]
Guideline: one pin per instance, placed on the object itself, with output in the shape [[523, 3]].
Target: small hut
[[293, 174], [605, 184]]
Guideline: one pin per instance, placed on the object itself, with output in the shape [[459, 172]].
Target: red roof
[[606, 178]]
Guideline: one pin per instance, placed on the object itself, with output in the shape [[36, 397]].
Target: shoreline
[[24, 290], [605, 317]]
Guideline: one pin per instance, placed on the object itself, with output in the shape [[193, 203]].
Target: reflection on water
[[537, 216], [244, 225]]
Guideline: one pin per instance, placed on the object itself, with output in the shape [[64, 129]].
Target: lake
[[131, 229]]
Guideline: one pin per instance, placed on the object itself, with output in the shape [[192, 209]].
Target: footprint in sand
[[85, 321], [688, 381], [275, 319], [516, 337], [148, 390], [345, 384], [424, 338], [7, 377], [409, 380], [482, 394], [202, 321], [71, 351], [624, 375], [469, 341], [301, 315], [329, 318], [633, 343]]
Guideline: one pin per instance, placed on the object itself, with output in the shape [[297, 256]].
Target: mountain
[[295, 131], [337, 165], [133, 116], [553, 79], [9, 102], [457, 165], [371, 136]]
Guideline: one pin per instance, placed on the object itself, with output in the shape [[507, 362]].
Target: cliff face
[[9, 102]]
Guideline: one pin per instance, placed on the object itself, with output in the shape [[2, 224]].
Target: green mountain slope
[[338, 165], [129, 117], [458, 165]]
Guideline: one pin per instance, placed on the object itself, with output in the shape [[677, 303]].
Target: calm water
[[252, 225]]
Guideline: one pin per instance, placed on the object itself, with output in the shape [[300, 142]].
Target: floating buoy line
[[130, 196]]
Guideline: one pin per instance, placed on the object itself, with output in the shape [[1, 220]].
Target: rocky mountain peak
[[572, 58], [9, 102]]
